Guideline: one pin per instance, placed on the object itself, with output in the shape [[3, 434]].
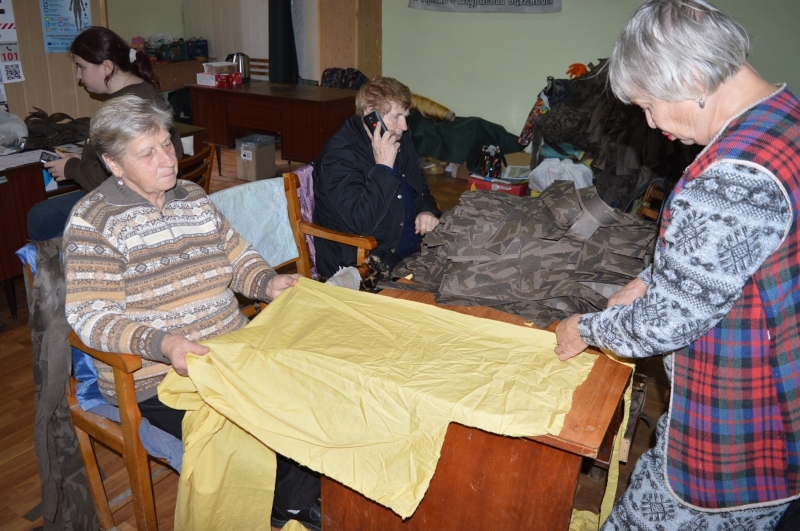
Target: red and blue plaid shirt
[[734, 431]]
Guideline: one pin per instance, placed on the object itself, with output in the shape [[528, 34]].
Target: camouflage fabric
[[67, 503], [540, 258]]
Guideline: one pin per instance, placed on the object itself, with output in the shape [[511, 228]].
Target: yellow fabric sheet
[[613, 469], [583, 521], [361, 388]]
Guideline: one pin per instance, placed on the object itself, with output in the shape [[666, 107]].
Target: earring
[[702, 103]]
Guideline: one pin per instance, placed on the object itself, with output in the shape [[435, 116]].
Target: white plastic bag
[[550, 170], [12, 125]]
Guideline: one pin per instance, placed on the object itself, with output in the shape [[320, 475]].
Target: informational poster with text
[[488, 6], [62, 21], [10, 67]]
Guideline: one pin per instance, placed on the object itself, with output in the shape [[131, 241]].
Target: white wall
[[493, 65], [229, 25], [305, 19], [143, 18]]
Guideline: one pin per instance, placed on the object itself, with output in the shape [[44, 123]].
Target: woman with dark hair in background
[[106, 65]]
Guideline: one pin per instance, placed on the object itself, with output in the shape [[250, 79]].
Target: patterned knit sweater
[[136, 274]]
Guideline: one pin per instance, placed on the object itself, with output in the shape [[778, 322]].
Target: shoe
[[310, 517]]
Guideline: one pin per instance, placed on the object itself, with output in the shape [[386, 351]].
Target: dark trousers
[[295, 485], [47, 219], [790, 521]]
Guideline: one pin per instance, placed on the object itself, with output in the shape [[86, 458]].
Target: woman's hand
[[425, 223], [56, 167], [568, 341], [629, 293], [175, 348], [385, 147], [280, 283]]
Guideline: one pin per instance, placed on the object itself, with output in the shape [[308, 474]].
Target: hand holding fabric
[[425, 223], [175, 348], [279, 283], [568, 341]]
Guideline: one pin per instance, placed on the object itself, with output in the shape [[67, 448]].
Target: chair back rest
[[259, 68], [261, 213], [198, 175], [197, 168], [305, 194]]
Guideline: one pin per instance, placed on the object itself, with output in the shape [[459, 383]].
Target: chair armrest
[[126, 363], [362, 242], [251, 310]]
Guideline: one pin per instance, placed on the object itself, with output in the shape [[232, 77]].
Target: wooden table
[[186, 130], [20, 189], [486, 481], [305, 116]]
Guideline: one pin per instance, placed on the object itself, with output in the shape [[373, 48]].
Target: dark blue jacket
[[354, 194]]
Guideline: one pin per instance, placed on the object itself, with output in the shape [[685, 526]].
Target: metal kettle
[[242, 64]]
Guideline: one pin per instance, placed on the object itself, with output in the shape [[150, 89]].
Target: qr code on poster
[[12, 72]]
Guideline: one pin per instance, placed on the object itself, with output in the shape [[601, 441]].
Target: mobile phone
[[373, 118], [47, 157]]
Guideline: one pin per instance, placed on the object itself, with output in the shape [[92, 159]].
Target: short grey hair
[[121, 120], [676, 50]]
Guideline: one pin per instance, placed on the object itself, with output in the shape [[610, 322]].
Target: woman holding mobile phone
[[368, 181], [106, 66]]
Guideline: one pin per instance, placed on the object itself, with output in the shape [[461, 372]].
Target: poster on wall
[[62, 21], [10, 67], [488, 6]]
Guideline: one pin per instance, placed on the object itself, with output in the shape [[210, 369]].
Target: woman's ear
[[112, 166], [108, 68]]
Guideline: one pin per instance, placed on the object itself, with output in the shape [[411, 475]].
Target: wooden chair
[[259, 68], [123, 438], [197, 168], [653, 197], [648, 200], [301, 228]]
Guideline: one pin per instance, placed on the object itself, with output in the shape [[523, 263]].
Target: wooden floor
[[19, 481]]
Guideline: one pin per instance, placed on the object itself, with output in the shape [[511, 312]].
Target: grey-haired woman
[[151, 268], [723, 294]]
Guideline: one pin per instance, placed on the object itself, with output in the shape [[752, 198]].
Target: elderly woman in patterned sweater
[[151, 265], [723, 293]]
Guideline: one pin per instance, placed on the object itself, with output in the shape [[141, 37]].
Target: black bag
[[48, 131], [346, 78]]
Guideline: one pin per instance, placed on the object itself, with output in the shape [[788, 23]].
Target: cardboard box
[[219, 67], [462, 172], [220, 80], [513, 159], [518, 159], [256, 158], [476, 183]]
